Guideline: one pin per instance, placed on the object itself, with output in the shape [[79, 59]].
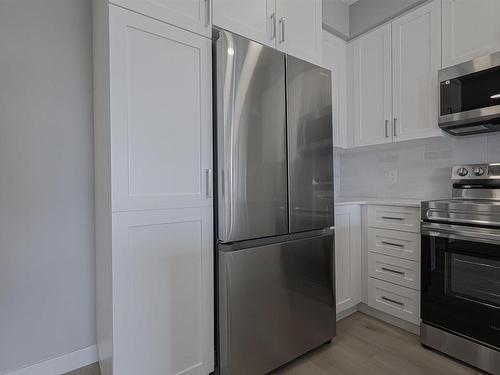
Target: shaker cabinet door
[[470, 29], [161, 114], [253, 19], [372, 107], [347, 256], [192, 15], [299, 28], [163, 318], [416, 54]]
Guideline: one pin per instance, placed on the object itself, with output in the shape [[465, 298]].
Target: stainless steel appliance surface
[[274, 217], [461, 268], [470, 96]]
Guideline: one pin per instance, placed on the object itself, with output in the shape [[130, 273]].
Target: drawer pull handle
[[392, 218], [393, 301], [392, 244], [393, 271]]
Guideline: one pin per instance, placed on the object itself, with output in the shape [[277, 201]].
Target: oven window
[[473, 91], [473, 279]]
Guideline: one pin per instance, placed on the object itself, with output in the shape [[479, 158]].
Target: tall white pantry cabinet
[[153, 189]]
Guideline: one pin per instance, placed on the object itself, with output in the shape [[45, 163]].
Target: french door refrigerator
[[275, 213]]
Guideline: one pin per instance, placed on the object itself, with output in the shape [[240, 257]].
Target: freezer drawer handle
[[393, 271], [393, 301], [392, 218], [392, 244]]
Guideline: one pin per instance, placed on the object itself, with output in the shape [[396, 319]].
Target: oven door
[[461, 280]]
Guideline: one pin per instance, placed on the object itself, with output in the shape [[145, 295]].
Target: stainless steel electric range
[[461, 268]]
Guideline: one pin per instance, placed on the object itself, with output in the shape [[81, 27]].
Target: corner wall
[[47, 256]]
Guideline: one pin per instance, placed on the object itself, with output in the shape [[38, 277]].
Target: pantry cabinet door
[[192, 15], [416, 53], [470, 29], [163, 297], [161, 114], [347, 256], [253, 19], [370, 56], [300, 28]]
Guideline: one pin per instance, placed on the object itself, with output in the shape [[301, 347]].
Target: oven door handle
[[464, 233]]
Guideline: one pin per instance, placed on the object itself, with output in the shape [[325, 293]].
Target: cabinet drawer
[[401, 302], [404, 245], [391, 217], [398, 271]]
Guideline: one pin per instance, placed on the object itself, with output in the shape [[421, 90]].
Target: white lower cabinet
[[394, 270], [163, 292], [393, 261], [395, 300], [347, 256]]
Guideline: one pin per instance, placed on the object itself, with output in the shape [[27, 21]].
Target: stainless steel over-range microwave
[[469, 96]]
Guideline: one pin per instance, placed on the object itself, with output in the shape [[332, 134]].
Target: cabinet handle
[[395, 128], [393, 271], [391, 218], [282, 24], [387, 128], [392, 244], [393, 301], [207, 13], [273, 26], [209, 182]]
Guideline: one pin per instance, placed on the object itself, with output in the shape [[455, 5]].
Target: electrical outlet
[[393, 177]]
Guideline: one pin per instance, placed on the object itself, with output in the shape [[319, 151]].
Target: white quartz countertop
[[345, 201]]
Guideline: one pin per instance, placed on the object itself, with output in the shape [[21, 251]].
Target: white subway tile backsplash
[[424, 167]]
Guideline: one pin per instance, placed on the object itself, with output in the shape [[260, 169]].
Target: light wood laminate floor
[[367, 346]]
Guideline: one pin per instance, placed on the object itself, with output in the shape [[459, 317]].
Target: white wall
[[336, 16], [365, 14], [47, 270], [424, 167]]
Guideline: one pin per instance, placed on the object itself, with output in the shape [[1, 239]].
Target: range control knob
[[462, 172], [479, 171]]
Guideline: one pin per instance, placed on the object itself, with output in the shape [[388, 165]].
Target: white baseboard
[[60, 365]]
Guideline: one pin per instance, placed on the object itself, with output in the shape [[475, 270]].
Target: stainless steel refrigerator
[[275, 213]]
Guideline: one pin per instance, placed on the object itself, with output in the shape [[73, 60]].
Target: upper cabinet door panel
[[161, 116], [470, 29], [300, 28], [192, 15], [372, 112], [253, 19], [416, 51]]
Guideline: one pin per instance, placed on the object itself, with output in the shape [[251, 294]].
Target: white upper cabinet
[[416, 54], [192, 15], [292, 26], [335, 59], [470, 29], [253, 19], [371, 91], [161, 114], [299, 28]]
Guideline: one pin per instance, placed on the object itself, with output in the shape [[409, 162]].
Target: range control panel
[[476, 172]]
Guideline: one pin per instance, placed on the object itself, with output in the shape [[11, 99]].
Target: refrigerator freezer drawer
[[276, 302]]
